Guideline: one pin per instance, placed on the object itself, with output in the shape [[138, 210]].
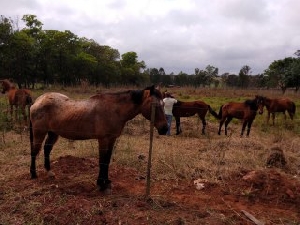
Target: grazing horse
[[245, 111], [102, 117], [187, 109], [16, 97], [279, 105]]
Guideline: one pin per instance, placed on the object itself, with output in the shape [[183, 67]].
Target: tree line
[[33, 55]]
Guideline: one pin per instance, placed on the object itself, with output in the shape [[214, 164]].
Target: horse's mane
[[252, 103], [136, 95]]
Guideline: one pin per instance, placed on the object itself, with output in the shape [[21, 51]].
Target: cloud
[[178, 35]]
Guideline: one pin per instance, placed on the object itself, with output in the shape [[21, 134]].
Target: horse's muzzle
[[163, 130]]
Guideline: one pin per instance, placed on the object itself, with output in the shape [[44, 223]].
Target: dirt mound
[[272, 186]]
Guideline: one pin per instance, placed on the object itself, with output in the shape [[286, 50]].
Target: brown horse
[[279, 105], [245, 111], [16, 97], [187, 109], [102, 117]]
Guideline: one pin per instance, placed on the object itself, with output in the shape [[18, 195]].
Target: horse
[[102, 117], [187, 109], [16, 97], [245, 111], [279, 105]]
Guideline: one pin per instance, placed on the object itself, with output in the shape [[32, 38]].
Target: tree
[[294, 79], [154, 76], [6, 32], [33, 29], [131, 69], [230, 80], [107, 71], [244, 76], [279, 73], [161, 71], [211, 73], [21, 50]]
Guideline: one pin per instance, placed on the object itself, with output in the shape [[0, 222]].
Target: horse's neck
[[268, 102], [128, 110], [131, 111]]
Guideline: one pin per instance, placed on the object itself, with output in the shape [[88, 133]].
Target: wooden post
[[150, 149]]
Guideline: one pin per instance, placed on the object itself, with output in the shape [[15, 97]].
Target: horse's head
[[153, 100], [6, 86], [260, 103]]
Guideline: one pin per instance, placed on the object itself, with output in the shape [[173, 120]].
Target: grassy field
[[263, 136], [188, 156]]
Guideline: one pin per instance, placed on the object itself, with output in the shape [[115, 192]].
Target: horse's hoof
[[51, 174], [33, 176], [104, 186], [106, 189]]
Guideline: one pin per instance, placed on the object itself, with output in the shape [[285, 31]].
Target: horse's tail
[[212, 112]]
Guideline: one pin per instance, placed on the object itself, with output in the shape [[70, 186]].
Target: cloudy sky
[[178, 35]]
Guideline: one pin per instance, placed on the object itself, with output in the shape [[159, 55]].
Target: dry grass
[[187, 156]]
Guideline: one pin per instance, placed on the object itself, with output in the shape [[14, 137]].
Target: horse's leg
[[16, 112], [203, 125], [249, 127], [227, 121], [23, 112], [273, 118], [50, 141], [268, 117], [105, 152], [36, 140], [220, 126], [291, 114], [11, 111], [178, 127]]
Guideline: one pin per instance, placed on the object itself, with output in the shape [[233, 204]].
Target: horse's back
[[186, 109], [48, 104], [281, 105], [234, 109], [66, 117], [48, 99]]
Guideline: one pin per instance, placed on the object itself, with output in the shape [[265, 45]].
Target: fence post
[[150, 149]]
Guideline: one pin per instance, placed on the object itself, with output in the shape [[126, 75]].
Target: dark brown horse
[[187, 109], [102, 117], [16, 97], [279, 105], [245, 111]]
